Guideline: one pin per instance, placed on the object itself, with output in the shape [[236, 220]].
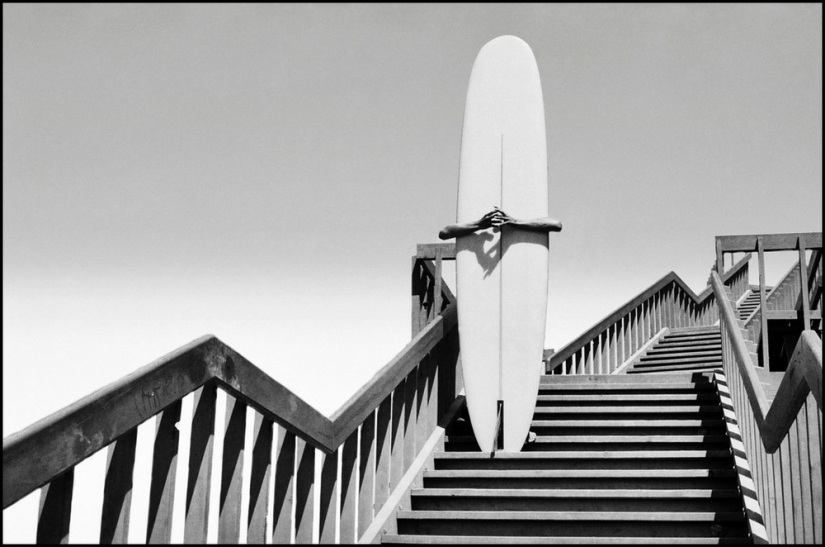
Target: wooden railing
[[374, 438], [782, 439], [762, 243], [785, 296], [668, 303]]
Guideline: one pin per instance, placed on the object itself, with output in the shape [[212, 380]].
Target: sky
[[263, 172]]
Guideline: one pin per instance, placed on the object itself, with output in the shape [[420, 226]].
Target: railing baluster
[[229, 507], [397, 436], [164, 466], [366, 474], [382, 453], [328, 497], [54, 515], [304, 491], [349, 485], [117, 492], [200, 465], [411, 385], [421, 433], [283, 495], [259, 478]]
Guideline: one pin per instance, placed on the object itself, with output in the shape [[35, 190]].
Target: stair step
[[717, 422], [579, 493], [556, 540], [629, 398], [675, 352], [579, 473], [573, 523], [694, 355], [584, 455], [697, 459], [695, 409], [678, 360], [692, 338], [683, 348], [698, 367], [664, 386], [688, 343], [618, 379], [595, 439]]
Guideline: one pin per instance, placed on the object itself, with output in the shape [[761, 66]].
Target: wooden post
[[437, 307], [304, 491], [200, 465], [229, 503], [762, 300], [720, 263], [349, 455], [259, 479], [56, 509], [803, 286], [117, 492], [284, 488], [382, 453], [328, 497], [366, 474], [164, 465]]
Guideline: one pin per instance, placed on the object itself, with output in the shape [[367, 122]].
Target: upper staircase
[[693, 349]]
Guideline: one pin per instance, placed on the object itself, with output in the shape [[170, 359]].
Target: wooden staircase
[[617, 459], [693, 349]]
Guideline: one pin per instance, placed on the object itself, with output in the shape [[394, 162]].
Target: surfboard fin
[[499, 444]]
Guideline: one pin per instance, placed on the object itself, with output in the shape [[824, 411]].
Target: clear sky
[[263, 172]]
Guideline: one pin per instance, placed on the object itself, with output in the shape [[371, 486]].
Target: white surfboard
[[501, 278]]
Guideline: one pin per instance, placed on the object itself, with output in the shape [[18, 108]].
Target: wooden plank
[[796, 482], [764, 327], [430, 250], [421, 433], [356, 409], [349, 455], [246, 382], [720, 257], [411, 385], [304, 491], [282, 497], [397, 436], [814, 446], [771, 242], [366, 474], [382, 452], [117, 491], [196, 519], [328, 496], [805, 515], [34, 456], [229, 504], [164, 467], [418, 294], [54, 514], [259, 478], [438, 281], [803, 284]]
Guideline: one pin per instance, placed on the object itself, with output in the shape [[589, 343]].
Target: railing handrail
[[804, 375], [39, 453], [562, 354]]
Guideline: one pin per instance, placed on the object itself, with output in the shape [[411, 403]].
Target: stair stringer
[[747, 488]]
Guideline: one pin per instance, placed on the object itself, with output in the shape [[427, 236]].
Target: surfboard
[[501, 275]]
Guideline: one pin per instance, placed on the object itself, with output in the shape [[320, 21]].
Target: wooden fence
[[366, 448]]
